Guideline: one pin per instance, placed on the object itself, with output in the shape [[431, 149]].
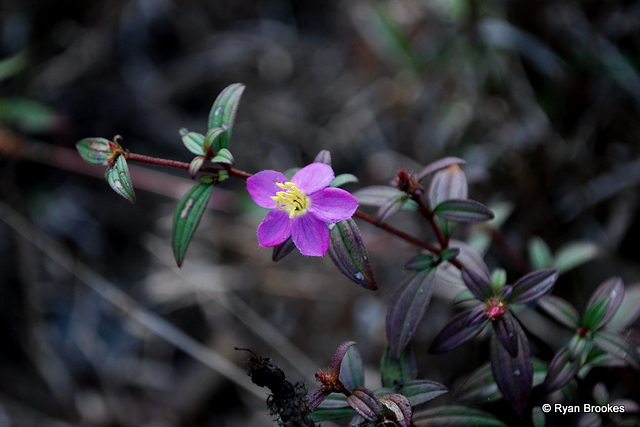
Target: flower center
[[292, 199], [495, 308]]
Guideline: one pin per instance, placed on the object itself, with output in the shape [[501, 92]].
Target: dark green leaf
[[455, 416], [187, 217], [463, 211], [95, 151], [210, 138], [421, 262], [348, 253], [449, 254], [223, 113], [560, 310], [604, 303], [397, 370], [223, 156], [407, 306], [119, 179], [352, 369]]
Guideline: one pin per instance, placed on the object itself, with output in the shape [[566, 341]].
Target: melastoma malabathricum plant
[[301, 208], [510, 353]]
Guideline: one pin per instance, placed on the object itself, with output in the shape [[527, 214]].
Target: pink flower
[[301, 208]]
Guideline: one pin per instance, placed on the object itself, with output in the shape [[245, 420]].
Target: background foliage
[[540, 98]]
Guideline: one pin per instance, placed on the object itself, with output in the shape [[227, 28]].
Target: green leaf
[[452, 416], [195, 165], [344, 178], [348, 253], [27, 115], [449, 254], [193, 141], [594, 314], [119, 179], [210, 138], [464, 211], [12, 65], [223, 113], [187, 216], [540, 255], [574, 254], [223, 156], [421, 262], [95, 151], [397, 370], [420, 391]]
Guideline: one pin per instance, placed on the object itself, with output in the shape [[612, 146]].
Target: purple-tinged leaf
[[420, 391], [210, 139], [391, 206], [532, 286], [195, 165], [455, 333], [618, 347], [629, 310], [477, 315], [187, 217], [338, 355], [463, 211], [449, 276], [561, 370], [282, 250], [560, 310], [378, 195], [400, 406], [407, 307], [477, 284], [223, 156], [396, 371], [439, 164], [344, 178], [193, 141], [514, 375], [223, 113], [612, 293], [455, 416], [316, 398], [95, 151], [119, 179], [421, 262], [366, 404], [505, 329], [448, 184], [324, 156], [348, 253], [352, 370], [577, 346]]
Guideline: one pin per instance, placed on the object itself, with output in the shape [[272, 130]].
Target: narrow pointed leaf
[[506, 333], [439, 164], [514, 375], [119, 179], [282, 250], [463, 211], [210, 138], [618, 347], [400, 406], [195, 165], [477, 284], [366, 404], [455, 416], [456, 332], [391, 206], [379, 195], [223, 113], [420, 391], [421, 262], [344, 178], [223, 156], [407, 307], [334, 406], [612, 293], [348, 253], [532, 286], [397, 370], [449, 254], [573, 254], [194, 142], [562, 369], [352, 370], [560, 310], [187, 217], [540, 255], [95, 151]]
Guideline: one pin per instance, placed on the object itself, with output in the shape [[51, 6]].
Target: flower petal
[[274, 229], [262, 186], [310, 235], [313, 177], [332, 205]]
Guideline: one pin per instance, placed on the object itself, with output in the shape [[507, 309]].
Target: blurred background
[[98, 326]]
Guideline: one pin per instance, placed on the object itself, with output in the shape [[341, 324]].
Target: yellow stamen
[[292, 199]]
